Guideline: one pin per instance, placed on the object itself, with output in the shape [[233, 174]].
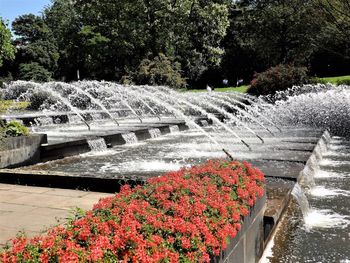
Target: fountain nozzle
[[87, 125], [278, 128], [246, 144], [261, 139], [228, 155]]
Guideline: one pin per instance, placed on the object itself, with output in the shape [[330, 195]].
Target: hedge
[[183, 216]]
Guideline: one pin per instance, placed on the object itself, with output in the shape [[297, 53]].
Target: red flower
[[184, 214]]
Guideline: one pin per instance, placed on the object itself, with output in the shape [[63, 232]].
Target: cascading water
[[323, 233], [174, 128], [301, 198], [155, 133], [130, 138], [204, 123], [97, 145]]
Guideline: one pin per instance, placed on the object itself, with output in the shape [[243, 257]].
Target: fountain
[[290, 126]]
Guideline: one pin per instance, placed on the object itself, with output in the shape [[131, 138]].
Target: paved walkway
[[34, 209]]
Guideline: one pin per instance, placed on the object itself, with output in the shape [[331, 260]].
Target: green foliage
[[7, 50], [281, 77], [38, 98], [14, 105], [189, 30], [37, 49], [34, 72], [13, 129], [277, 31], [159, 71], [210, 39], [30, 28]]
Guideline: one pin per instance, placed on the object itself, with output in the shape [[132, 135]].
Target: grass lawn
[[242, 89], [334, 80]]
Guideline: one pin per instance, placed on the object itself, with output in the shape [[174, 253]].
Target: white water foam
[[332, 163], [109, 167], [109, 152], [159, 165], [144, 166], [196, 154], [325, 219], [321, 174], [334, 153], [321, 191]]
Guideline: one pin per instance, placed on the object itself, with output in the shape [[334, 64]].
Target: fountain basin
[[20, 151]]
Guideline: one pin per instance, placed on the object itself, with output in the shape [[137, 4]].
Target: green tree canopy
[[7, 50], [37, 48]]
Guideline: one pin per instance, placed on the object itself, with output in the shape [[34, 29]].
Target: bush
[[14, 129], [279, 78], [343, 82], [159, 71], [184, 216], [34, 72], [38, 98]]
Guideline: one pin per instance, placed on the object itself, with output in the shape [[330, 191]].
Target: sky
[[10, 9]]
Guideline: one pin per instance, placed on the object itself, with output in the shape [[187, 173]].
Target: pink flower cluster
[[183, 216]]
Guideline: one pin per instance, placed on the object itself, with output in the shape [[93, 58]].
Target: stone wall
[[20, 151]]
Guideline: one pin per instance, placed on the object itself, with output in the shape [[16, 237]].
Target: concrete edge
[[275, 221], [80, 146]]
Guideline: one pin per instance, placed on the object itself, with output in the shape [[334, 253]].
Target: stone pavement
[[34, 209]]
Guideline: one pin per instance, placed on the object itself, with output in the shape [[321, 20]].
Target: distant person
[[209, 89], [225, 82], [239, 82]]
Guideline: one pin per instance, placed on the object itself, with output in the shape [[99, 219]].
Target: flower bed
[[184, 216]]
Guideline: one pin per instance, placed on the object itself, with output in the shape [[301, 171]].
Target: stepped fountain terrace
[[100, 135]]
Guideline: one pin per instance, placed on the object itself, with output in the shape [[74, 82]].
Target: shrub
[[159, 71], [279, 78], [38, 98], [15, 129], [343, 82], [183, 216], [5, 105]]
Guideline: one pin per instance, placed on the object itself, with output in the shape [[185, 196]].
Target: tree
[[7, 50], [34, 72], [37, 49], [190, 31], [159, 71], [63, 20], [30, 28], [333, 40]]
